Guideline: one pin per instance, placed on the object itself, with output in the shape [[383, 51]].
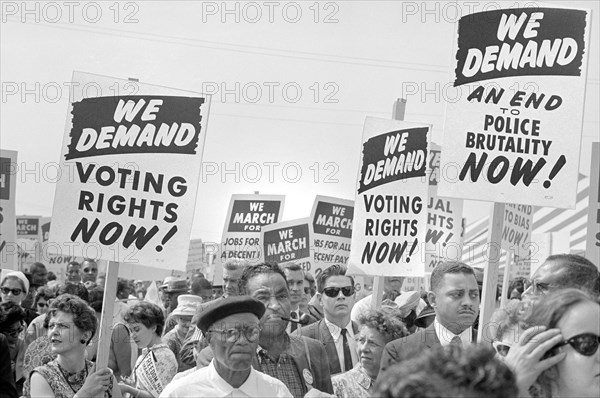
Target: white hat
[[19, 275], [408, 301], [187, 304]]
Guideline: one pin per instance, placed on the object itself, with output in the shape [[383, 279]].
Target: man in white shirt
[[455, 298], [295, 281], [231, 327], [336, 331]]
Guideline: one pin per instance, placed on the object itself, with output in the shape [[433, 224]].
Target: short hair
[[73, 263], [122, 285], [96, 297], [51, 276], [147, 314], [236, 263], [89, 260], [292, 267], [76, 289], [84, 316], [253, 270], [35, 266], [472, 371], [577, 272], [448, 267], [9, 314], [334, 270], [311, 282], [388, 326], [200, 284], [43, 292]]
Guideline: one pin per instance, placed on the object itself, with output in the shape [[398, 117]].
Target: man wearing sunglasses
[[563, 271], [231, 327], [336, 330], [455, 298], [295, 281]]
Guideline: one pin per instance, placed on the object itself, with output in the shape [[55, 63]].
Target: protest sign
[[288, 241], [390, 211], [147, 375], [516, 229], [28, 227], [246, 216], [331, 232], [129, 172], [513, 135], [443, 239], [8, 214], [592, 248]]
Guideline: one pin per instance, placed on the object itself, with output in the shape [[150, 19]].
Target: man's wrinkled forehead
[[551, 271]]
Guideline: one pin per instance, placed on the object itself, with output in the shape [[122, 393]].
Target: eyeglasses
[[15, 291], [13, 332], [501, 348], [585, 344], [334, 291], [232, 335], [42, 304], [542, 287]]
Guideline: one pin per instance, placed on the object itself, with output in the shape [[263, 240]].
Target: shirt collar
[[250, 386], [445, 336], [260, 349], [336, 331]]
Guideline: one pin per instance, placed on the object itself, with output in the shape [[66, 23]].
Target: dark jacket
[[308, 355], [8, 389], [320, 332], [404, 347]]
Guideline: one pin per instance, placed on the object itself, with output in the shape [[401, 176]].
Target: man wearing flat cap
[[231, 327]]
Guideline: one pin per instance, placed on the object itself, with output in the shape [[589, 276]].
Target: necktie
[[456, 341], [293, 325], [347, 354]]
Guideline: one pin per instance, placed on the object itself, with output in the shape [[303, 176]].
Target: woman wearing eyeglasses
[[11, 325], [157, 365], [560, 345]]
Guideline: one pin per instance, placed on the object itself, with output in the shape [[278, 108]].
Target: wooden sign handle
[[108, 305]]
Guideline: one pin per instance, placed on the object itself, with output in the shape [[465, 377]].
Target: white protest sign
[[513, 135], [390, 210], [147, 375], [288, 241], [443, 239], [130, 162], [331, 232], [8, 214], [516, 229], [592, 246], [246, 216]]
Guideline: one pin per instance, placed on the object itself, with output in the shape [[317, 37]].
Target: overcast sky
[[300, 77]]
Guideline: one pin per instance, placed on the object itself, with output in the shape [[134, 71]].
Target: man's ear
[[320, 298], [432, 298]]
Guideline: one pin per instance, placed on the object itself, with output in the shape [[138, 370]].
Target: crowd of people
[[277, 331]]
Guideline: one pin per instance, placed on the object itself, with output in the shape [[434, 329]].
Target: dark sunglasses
[[335, 291], [15, 292], [42, 304], [13, 332], [585, 344], [307, 290]]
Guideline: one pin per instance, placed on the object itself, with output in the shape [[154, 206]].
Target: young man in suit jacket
[[336, 331], [455, 298], [295, 281]]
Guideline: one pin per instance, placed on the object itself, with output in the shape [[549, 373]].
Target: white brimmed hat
[[187, 304]]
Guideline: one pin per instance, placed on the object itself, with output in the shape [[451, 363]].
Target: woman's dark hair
[[147, 314], [43, 293], [75, 289], [96, 295], [84, 316], [9, 314]]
